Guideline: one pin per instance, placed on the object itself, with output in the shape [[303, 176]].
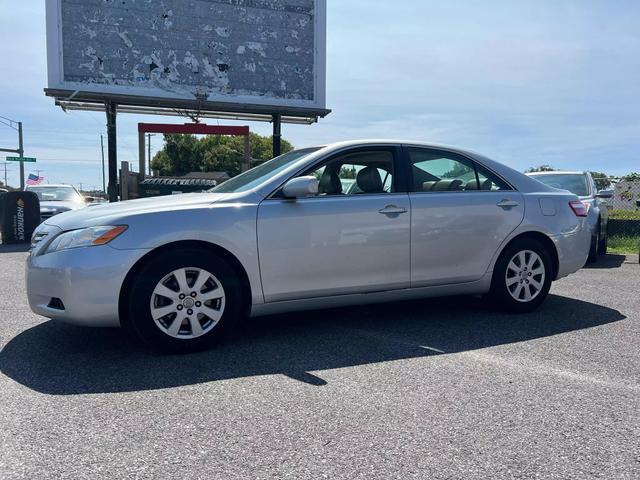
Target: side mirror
[[605, 194], [300, 187], [89, 199]]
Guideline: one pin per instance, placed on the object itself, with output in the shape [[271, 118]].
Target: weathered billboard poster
[[245, 52]]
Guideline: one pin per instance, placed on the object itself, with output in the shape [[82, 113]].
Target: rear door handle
[[506, 204], [392, 210]]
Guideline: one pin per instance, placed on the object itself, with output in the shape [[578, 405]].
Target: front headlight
[[85, 237]]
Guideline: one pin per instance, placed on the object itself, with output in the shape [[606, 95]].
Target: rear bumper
[[86, 280], [573, 249]]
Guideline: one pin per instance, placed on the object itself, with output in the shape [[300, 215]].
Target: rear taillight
[[579, 208]]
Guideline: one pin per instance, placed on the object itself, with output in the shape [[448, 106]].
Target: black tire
[[593, 249], [139, 317], [501, 296], [603, 245]]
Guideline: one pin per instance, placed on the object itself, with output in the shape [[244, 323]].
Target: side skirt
[[471, 288]]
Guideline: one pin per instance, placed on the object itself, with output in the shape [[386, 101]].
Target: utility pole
[[20, 150], [21, 154], [104, 187], [4, 164]]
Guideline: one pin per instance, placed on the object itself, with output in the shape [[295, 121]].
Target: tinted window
[[365, 172], [576, 183], [435, 171]]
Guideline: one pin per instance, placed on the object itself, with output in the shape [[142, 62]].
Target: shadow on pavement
[[60, 359], [14, 247], [607, 261]]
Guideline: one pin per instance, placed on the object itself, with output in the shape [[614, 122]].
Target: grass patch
[[625, 214], [622, 244]]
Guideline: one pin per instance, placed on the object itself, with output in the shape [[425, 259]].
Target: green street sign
[[24, 159]]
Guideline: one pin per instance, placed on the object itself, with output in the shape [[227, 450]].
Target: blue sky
[[526, 82]]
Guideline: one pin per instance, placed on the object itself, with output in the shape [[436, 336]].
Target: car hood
[[60, 205], [112, 213]]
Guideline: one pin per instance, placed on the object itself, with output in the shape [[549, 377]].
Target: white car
[[179, 271], [56, 199]]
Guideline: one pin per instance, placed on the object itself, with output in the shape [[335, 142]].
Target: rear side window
[[576, 183], [436, 171]]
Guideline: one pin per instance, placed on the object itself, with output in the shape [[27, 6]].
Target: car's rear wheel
[[522, 276], [184, 301]]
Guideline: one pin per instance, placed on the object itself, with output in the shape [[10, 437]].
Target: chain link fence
[[624, 231]]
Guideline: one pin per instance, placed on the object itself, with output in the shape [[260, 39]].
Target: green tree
[[601, 179], [631, 177], [541, 168], [182, 154]]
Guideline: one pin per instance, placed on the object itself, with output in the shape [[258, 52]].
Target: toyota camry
[[348, 223]]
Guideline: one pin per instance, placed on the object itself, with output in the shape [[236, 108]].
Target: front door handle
[[506, 204], [392, 210]]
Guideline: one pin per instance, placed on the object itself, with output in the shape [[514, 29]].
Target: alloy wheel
[[525, 276], [187, 303]]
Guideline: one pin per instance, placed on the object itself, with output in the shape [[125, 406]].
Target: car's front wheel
[[522, 276], [184, 301]]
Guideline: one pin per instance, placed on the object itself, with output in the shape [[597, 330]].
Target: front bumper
[[87, 281]]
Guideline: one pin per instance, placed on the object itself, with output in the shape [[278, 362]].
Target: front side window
[[435, 171], [359, 173], [262, 173]]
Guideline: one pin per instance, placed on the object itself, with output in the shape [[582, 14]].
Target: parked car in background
[[178, 271], [583, 185], [55, 199]]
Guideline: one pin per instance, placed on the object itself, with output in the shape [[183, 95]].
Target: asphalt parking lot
[[436, 389]]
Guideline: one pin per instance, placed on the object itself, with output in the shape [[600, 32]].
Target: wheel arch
[[545, 240], [195, 244]]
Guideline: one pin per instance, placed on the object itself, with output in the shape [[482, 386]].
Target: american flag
[[34, 179]]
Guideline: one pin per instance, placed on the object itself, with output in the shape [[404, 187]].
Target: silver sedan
[[583, 185], [416, 221]]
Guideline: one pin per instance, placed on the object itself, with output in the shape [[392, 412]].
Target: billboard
[[252, 55]]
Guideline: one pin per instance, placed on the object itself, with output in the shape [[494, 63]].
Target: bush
[[625, 214], [623, 244]]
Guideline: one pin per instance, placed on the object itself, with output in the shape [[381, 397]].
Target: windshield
[[56, 194], [260, 174], [576, 183]]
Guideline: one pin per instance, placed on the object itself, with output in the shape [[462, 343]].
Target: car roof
[[386, 141], [51, 185], [557, 172]]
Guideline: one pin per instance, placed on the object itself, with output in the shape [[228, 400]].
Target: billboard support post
[[141, 156], [104, 188], [277, 135], [112, 154], [246, 155]]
